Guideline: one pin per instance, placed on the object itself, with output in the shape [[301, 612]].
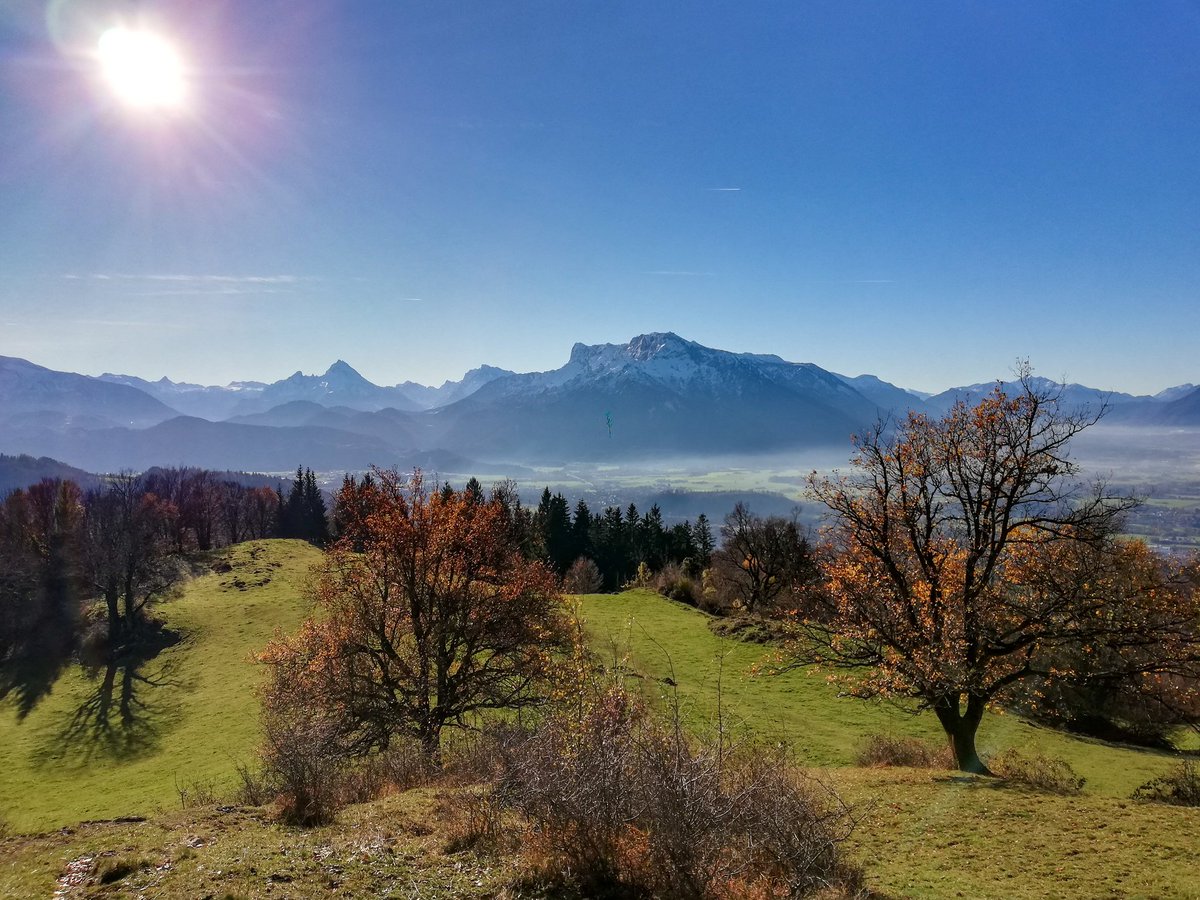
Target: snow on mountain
[[666, 360], [657, 395], [1073, 396], [205, 401], [886, 395]]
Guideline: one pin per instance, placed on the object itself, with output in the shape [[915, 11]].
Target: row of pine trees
[[618, 541]]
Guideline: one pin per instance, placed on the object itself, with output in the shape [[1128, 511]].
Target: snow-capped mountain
[[340, 385], [1175, 393], [1073, 396], [886, 395], [667, 361], [658, 394]]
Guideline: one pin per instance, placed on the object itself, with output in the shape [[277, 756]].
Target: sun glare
[[143, 70]]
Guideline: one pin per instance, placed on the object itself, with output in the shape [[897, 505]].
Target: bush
[[480, 757], [884, 750], [620, 801], [675, 584], [477, 824], [401, 766], [1046, 773], [302, 755], [583, 578], [1179, 787], [257, 786]]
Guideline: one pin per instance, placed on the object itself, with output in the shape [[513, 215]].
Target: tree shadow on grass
[[30, 674], [134, 701], [32, 663]]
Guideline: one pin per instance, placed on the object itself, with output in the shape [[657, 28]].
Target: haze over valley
[[656, 420]]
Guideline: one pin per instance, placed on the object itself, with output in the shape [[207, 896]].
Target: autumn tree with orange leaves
[[965, 558], [426, 617]]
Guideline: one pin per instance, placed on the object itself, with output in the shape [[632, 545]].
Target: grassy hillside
[[115, 742], [924, 833], [669, 640], [191, 711]]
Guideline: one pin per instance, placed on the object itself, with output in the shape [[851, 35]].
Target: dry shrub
[[583, 577], [477, 823], [621, 802], [256, 788], [302, 755], [1179, 787], [1046, 773], [196, 792], [479, 757], [675, 584], [885, 750]]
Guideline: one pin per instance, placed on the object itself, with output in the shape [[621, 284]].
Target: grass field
[[115, 742], [669, 640], [923, 833]]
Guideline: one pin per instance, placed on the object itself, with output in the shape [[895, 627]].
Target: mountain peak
[[648, 346], [341, 367], [642, 348]]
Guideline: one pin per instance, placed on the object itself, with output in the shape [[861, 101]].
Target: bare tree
[[761, 560]]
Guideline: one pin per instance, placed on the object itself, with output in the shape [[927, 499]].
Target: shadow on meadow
[[130, 703], [29, 676]]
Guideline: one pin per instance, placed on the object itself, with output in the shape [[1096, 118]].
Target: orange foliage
[[964, 559], [432, 620]]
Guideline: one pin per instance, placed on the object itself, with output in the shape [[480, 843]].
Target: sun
[[143, 70]]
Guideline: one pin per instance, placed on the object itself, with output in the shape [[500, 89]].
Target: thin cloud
[[724, 189], [212, 292], [127, 323], [193, 279]]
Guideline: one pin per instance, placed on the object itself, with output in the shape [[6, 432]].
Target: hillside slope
[[662, 639], [116, 742]]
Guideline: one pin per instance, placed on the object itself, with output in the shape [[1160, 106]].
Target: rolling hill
[[108, 745]]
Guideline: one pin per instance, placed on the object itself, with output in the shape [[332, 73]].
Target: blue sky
[[923, 191]]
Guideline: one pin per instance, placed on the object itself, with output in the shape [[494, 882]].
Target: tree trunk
[[960, 728], [431, 747], [114, 617]]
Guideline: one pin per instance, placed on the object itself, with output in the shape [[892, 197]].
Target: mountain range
[[657, 396]]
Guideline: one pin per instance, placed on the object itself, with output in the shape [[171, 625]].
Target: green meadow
[[118, 742], [102, 746]]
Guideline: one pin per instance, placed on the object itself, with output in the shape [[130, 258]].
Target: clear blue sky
[[924, 190]]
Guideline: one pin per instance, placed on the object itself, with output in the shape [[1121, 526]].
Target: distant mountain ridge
[[657, 395], [29, 389], [340, 385]]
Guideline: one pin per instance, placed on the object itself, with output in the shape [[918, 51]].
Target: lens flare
[[144, 70]]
